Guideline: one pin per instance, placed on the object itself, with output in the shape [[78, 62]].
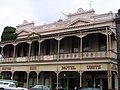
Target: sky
[[14, 12]]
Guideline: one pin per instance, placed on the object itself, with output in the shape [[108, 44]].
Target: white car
[[9, 85], [40, 87]]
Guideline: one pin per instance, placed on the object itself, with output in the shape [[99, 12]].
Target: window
[[102, 43], [86, 45], [1, 83], [12, 85], [75, 44], [6, 83]]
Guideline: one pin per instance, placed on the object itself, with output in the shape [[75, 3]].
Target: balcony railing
[[11, 59], [48, 57], [34, 58], [113, 54], [100, 54], [21, 59], [68, 56]]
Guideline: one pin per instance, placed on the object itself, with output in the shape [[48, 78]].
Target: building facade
[[80, 51], [117, 20]]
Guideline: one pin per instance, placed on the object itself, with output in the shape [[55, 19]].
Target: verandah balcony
[[65, 56], [91, 46]]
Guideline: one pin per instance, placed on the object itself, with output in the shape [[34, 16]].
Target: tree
[[119, 12], [8, 33]]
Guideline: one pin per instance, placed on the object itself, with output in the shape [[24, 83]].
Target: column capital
[[80, 72], [37, 72], [28, 72], [2, 46], [29, 42], [41, 40], [81, 36], [14, 44], [57, 72], [58, 38]]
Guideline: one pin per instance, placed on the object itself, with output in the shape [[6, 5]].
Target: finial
[[25, 22], [80, 10], [90, 3]]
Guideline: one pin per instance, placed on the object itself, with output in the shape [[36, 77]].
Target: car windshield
[[5, 83], [12, 85], [38, 86]]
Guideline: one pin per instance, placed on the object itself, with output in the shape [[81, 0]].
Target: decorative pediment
[[33, 34], [79, 21], [23, 32]]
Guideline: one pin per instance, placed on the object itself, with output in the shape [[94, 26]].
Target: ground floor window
[[67, 80]]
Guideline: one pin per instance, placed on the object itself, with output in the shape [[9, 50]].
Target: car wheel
[[2, 89]]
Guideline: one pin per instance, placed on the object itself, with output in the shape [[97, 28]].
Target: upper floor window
[[102, 43], [85, 46], [75, 44]]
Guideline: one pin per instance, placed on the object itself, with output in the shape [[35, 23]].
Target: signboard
[[32, 68], [93, 67], [6, 68], [68, 67]]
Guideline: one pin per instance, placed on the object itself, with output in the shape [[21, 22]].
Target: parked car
[[9, 85], [40, 87]]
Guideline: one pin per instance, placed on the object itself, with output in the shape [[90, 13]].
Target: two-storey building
[[117, 20], [80, 51]]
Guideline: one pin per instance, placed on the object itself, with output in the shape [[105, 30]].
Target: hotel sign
[[68, 68], [93, 67], [33, 68], [6, 68]]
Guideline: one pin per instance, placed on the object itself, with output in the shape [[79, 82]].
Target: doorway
[[69, 80]]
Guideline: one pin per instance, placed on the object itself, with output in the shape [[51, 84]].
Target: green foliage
[[8, 34], [0, 76], [118, 12]]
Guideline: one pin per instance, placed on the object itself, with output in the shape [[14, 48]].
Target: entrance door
[[21, 78], [101, 84], [68, 80], [69, 83], [105, 84], [97, 83], [73, 83]]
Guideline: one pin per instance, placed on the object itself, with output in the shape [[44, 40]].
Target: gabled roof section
[[22, 32], [81, 12], [81, 18], [33, 34], [79, 21]]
